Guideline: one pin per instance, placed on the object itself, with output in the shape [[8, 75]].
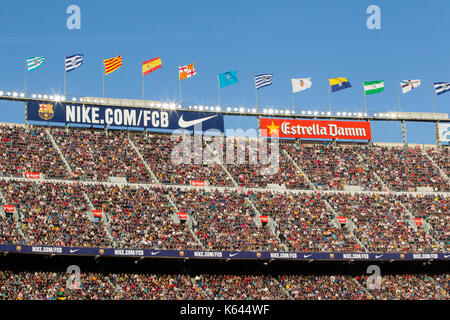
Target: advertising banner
[[444, 131], [9, 208], [315, 129], [257, 255], [129, 117]]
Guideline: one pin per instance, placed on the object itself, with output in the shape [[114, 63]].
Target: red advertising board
[[342, 220], [198, 183], [97, 213], [418, 221], [264, 219], [32, 175], [315, 129], [9, 208], [182, 215]]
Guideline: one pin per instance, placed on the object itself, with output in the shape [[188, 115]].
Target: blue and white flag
[[73, 62], [263, 80], [441, 87], [34, 63]]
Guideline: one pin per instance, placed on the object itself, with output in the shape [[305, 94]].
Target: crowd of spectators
[[334, 167], [176, 162], [40, 285], [225, 220], [98, 155], [405, 169], [441, 156], [319, 287], [241, 287], [54, 286], [140, 217], [53, 214], [304, 222], [409, 286], [381, 222], [433, 209], [156, 287], [25, 150], [8, 231], [257, 163]]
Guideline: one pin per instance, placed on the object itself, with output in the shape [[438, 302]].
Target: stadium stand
[[131, 286], [26, 150], [96, 155]]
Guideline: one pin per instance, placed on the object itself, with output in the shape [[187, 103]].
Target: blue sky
[[317, 39]]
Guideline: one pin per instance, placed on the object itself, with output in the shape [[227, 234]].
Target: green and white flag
[[371, 87]]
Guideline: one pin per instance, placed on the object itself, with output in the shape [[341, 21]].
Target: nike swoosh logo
[[153, 253], [445, 257], [233, 254], [376, 256], [72, 251], [307, 255], [185, 124]]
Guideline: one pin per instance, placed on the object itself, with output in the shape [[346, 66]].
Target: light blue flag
[[227, 78], [34, 63]]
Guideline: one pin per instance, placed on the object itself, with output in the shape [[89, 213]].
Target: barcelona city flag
[[227, 78], [337, 84], [112, 64], [151, 65]]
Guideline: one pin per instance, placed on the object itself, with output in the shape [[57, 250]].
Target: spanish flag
[[112, 64], [151, 65], [337, 84]]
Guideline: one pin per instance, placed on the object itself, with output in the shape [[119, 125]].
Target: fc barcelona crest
[[46, 111], [181, 253]]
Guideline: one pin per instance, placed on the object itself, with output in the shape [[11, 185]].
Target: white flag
[[408, 85], [301, 84]]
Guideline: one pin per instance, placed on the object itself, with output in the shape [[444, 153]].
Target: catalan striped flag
[[112, 64], [151, 65], [34, 63]]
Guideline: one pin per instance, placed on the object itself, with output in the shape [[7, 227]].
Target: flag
[[186, 71], [263, 80], [371, 87], [441, 87], [300, 84], [34, 63], [151, 65], [112, 64], [337, 84], [408, 85], [73, 62], [228, 78]]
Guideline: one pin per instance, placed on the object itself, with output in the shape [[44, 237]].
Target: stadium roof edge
[[235, 111]]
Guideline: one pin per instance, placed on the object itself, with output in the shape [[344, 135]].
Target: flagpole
[[365, 103], [293, 108], [256, 93], [179, 82], [218, 90], [103, 84], [65, 75], [26, 92], [399, 105], [143, 88], [432, 98], [329, 97]]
